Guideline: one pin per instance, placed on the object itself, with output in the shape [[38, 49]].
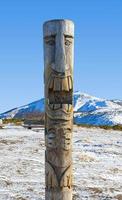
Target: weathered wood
[[58, 79]]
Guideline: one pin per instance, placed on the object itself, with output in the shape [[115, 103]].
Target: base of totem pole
[[58, 194]]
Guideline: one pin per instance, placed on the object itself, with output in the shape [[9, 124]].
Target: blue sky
[[98, 47]]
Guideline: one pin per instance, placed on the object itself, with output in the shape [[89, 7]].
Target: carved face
[[58, 56], [58, 45], [59, 138]]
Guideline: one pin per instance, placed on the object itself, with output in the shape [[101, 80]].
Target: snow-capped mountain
[[87, 110], [95, 111], [20, 112]]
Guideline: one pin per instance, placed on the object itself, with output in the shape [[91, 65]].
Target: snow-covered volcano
[[87, 110]]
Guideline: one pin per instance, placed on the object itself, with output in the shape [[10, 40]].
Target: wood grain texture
[[58, 80]]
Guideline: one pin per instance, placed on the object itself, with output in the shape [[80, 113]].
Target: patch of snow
[[97, 164]]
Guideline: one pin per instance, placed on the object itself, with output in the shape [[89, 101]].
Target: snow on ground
[[96, 157]]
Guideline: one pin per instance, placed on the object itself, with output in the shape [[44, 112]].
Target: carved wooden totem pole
[[58, 79]]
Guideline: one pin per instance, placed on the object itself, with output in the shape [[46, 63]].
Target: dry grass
[[86, 158], [118, 197], [115, 127], [10, 142], [96, 190]]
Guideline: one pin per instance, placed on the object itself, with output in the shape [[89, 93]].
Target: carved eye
[[67, 43], [50, 40], [51, 136], [68, 40]]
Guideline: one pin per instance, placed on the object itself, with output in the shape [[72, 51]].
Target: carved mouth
[[58, 84], [60, 92], [66, 107]]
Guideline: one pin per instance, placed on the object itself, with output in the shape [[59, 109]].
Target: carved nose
[[60, 57]]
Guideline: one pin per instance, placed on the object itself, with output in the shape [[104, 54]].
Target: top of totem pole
[[59, 20], [53, 25]]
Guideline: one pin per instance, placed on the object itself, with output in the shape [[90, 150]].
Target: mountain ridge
[[88, 110]]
